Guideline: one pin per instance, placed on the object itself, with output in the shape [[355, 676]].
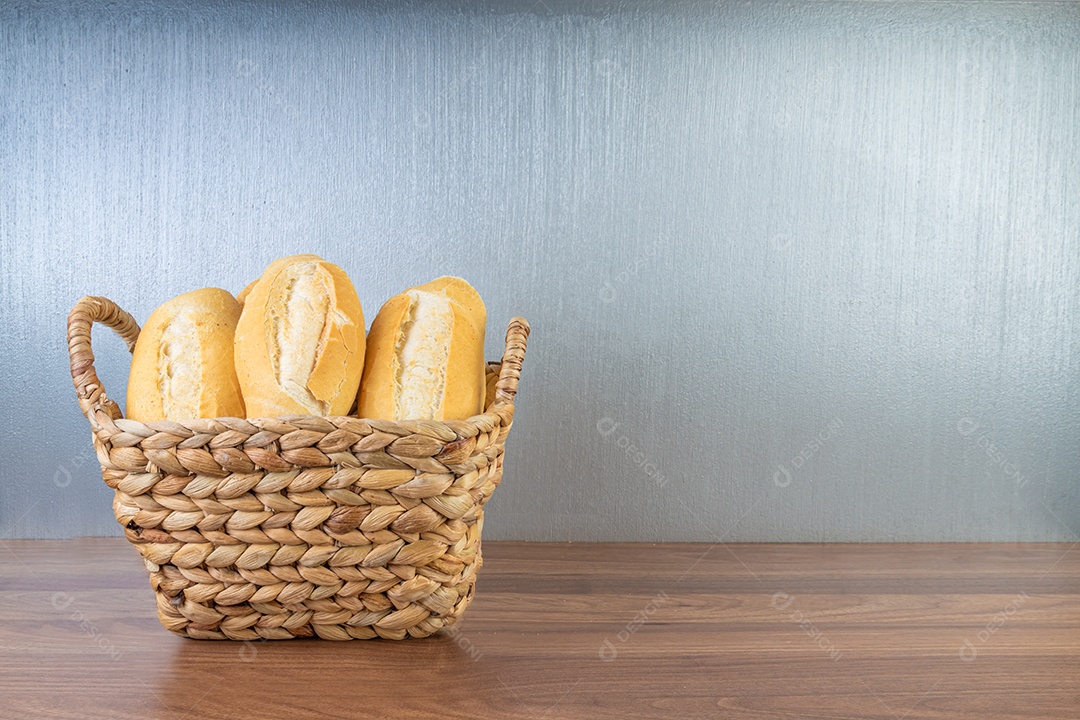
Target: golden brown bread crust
[[462, 292], [466, 384], [182, 366], [300, 342], [463, 390], [242, 295], [382, 366]]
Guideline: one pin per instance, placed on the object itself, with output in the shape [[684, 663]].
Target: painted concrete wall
[[796, 271]]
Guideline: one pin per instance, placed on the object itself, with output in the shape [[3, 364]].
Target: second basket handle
[[86, 312], [517, 336]]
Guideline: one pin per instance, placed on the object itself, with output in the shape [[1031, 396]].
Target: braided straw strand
[[86, 312], [340, 528]]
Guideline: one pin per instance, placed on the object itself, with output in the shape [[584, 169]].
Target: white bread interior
[[423, 349], [298, 320], [180, 359]]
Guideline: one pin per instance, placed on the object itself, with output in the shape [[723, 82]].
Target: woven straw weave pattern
[[300, 526]]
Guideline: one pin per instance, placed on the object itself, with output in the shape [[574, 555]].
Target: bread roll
[[182, 367], [300, 340], [426, 355], [242, 295]]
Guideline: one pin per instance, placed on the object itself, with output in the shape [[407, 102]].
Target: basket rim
[[497, 414]]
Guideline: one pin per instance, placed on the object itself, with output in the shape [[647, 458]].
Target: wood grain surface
[[883, 631]]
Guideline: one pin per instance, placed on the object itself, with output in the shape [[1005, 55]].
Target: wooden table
[[892, 632]]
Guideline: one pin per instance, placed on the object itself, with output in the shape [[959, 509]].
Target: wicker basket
[[300, 526]]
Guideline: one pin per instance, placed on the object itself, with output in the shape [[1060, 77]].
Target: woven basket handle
[[517, 335], [86, 312]]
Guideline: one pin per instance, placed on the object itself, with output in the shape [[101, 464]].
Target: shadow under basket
[[300, 526]]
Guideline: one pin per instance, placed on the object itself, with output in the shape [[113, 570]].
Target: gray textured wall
[[796, 271]]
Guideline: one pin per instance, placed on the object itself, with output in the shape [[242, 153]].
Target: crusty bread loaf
[[300, 340], [242, 295], [425, 357], [182, 367]]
